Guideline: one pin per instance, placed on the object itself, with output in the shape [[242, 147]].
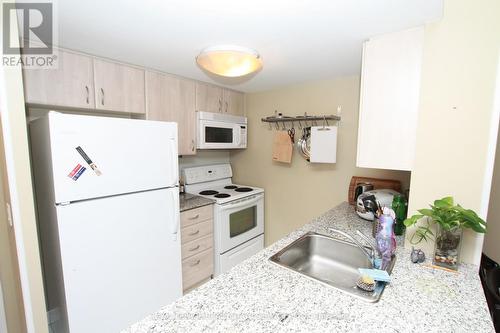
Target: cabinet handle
[[88, 94], [194, 233], [194, 217], [102, 96], [226, 107], [195, 263], [192, 145], [195, 248], [220, 105]]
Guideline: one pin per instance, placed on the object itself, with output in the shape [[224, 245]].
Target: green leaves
[[446, 214], [444, 202], [423, 232], [412, 220], [471, 220], [426, 212]]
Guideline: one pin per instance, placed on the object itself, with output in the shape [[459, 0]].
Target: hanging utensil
[[291, 134], [303, 145]]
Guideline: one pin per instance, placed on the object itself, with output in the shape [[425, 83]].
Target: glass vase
[[447, 247]]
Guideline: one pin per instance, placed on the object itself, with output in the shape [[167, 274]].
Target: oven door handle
[[245, 203]]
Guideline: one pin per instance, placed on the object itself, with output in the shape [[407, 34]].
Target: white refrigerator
[[108, 218]]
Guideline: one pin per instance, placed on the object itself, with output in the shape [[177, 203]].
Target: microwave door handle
[[237, 129], [245, 203]]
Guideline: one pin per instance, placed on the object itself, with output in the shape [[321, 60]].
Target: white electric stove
[[238, 213]]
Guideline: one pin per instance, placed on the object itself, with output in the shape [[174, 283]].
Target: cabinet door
[[233, 102], [70, 85], [208, 98], [118, 87], [389, 100], [170, 98]]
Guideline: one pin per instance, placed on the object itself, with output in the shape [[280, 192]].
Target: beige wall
[[492, 238], [456, 108], [10, 282], [298, 192], [204, 157], [15, 137]]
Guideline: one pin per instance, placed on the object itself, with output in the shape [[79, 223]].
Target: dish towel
[[282, 147], [324, 144]]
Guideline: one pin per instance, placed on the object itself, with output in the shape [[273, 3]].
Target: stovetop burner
[[230, 187], [208, 192], [244, 189], [222, 195]]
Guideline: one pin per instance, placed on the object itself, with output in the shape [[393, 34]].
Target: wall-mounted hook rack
[[305, 118], [325, 124]]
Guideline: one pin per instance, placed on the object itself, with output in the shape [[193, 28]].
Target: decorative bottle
[[385, 238]]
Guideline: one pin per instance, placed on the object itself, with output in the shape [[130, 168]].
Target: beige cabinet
[[197, 246], [119, 87], [170, 98], [233, 102], [70, 85], [208, 97], [389, 98], [86, 82]]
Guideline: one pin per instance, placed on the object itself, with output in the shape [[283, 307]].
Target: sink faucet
[[372, 255]]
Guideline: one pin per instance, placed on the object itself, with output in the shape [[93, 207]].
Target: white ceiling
[[299, 40]]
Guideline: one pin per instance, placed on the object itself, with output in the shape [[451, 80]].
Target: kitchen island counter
[[259, 296]]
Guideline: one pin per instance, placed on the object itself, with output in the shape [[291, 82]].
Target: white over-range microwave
[[220, 131]]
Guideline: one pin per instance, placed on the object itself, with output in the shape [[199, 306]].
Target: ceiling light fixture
[[229, 60]]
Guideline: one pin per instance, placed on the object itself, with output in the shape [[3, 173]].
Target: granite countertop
[[191, 201], [258, 296]]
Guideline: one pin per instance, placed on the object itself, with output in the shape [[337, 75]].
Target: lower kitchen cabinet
[[197, 230], [197, 246], [197, 269]]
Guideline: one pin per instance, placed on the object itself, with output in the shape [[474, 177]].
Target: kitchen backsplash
[[203, 157]]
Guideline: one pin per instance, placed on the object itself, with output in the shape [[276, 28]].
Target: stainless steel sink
[[331, 261]]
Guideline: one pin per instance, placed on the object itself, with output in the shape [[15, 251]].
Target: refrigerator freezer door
[[119, 155], [120, 261]]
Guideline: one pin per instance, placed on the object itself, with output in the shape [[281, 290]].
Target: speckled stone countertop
[[190, 201], [258, 296]]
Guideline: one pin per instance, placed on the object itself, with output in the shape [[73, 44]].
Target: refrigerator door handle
[[174, 169], [175, 213]]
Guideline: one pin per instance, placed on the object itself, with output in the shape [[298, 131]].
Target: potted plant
[[450, 220]]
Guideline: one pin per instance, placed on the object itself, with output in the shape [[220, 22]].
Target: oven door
[[218, 135], [239, 221]]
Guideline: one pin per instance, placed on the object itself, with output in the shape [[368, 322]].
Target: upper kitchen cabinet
[[389, 100], [71, 84], [208, 98], [119, 87], [233, 102], [171, 98]]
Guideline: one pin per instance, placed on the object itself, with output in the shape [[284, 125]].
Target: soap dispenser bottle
[[385, 238]]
